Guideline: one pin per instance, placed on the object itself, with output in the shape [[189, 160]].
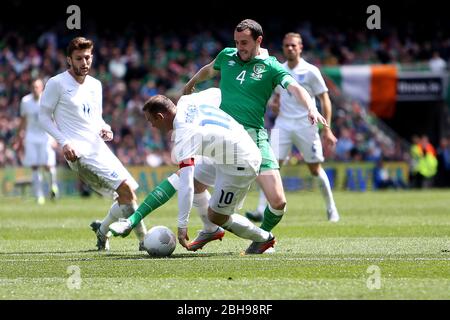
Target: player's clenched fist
[[106, 135], [69, 153]]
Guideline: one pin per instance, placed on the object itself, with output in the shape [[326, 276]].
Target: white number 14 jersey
[[77, 110]]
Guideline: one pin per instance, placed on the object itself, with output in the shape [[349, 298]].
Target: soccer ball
[[160, 241]]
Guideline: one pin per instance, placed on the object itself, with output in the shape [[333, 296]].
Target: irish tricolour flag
[[373, 86]]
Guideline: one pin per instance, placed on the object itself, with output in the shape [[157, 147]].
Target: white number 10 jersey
[[202, 129]]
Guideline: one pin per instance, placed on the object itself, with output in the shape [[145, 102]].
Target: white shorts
[[304, 136], [103, 173], [229, 190], [39, 154]]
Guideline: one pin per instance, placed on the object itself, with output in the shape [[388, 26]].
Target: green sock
[[270, 220], [160, 195]]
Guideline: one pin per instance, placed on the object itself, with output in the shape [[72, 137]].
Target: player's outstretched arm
[[185, 199], [205, 73], [274, 103], [302, 96], [328, 136]]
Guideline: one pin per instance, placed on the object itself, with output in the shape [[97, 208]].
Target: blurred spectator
[[382, 178], [149, 89], [117, 65], [424, 166], [344, 145], [436, 63], [414, 161]]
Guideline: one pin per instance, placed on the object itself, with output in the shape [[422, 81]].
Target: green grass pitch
[[388, 245]]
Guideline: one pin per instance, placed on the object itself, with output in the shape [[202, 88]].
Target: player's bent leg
[[244, 228], [101, 228], [210, 231], [128, 196], [122, 207], [271, 183], [201, 202], [271, 187], [239, 225], [156, 198], [127, 202], [278, 148], [324, 185]]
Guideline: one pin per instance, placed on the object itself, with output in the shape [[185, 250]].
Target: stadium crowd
[[133, 68]]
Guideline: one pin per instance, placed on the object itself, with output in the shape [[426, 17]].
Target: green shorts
[[261, 138]]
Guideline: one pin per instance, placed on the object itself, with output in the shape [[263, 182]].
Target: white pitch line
[[236, 259]]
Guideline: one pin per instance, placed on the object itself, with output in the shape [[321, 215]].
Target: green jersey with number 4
[[247, 86]]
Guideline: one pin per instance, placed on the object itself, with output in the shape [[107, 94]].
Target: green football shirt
[[247, 86]]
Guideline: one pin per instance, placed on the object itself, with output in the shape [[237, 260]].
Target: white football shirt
[[202, 129], [309, 77], [77, 110], [29, 108]]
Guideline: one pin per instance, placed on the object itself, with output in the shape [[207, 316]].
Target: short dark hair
[[79, 43], [158, 104], [254, 27]]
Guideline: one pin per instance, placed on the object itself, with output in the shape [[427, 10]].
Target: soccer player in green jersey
[[248, 77]]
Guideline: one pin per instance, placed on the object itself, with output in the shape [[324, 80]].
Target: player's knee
[[278, 203], [126, 193], [199, 187], [216, 218], [314, 169]]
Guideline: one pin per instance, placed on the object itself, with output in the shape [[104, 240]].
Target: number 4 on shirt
[[241, 76]]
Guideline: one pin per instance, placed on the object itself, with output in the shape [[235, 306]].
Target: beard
[[80, 72]]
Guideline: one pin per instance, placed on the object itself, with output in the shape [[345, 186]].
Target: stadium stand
[[137, 60]]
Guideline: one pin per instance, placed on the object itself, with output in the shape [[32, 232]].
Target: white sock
[[37, 183], [277, 212], [113, 215], [201, 202], [174, 180], [122, 211], [262, 203], [53, 178], [140, 230], [325, 188], [244, 228]]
